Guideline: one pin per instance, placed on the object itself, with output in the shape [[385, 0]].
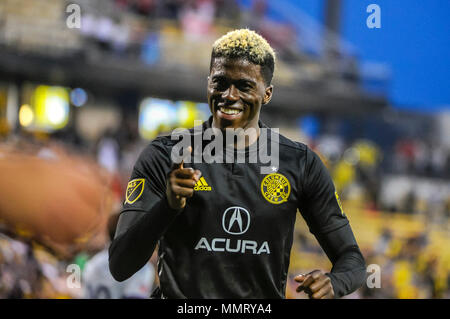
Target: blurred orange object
[[57, 198]]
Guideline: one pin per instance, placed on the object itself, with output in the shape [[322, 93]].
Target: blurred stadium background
[[78, 104]]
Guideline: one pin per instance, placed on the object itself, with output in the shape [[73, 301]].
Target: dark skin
[[180, 184], [237, 84], [315, 284]]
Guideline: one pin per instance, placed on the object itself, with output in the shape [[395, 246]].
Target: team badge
[[135, 189], [275, 188]]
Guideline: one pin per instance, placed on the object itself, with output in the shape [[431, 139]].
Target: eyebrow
[[246, 81], [222, 76]]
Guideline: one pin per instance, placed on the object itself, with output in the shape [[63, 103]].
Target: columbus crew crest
[[275, 188], [134, 190]]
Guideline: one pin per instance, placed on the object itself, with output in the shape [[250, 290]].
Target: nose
[[231, 93]]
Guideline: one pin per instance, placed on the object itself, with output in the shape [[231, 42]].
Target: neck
[[239, 138]]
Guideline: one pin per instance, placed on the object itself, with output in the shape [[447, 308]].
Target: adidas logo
[[202, 185]]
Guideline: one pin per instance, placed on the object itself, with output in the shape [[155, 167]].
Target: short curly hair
[[249, 45]]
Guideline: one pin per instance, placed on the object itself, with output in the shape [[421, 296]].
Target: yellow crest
[[135, 189], [275, 188]]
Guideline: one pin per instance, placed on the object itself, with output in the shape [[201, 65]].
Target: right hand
[[180, 184]]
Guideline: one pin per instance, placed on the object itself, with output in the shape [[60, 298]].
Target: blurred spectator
[[99, 284], [28, 271], [197, 19], [108, 150]]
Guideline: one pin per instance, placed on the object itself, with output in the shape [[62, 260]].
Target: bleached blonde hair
[[249, 45]]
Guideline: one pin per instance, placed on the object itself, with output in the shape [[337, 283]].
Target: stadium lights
[[78, 97], [26, 115], [46, 108], [155, 115], [55, 110], [51, 106], [159, 115]]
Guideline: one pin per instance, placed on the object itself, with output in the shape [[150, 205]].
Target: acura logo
[[236, 220]]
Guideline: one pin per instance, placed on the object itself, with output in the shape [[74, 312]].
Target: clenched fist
[[316, 284]]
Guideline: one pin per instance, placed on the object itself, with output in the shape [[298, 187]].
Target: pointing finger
[[300, 278]]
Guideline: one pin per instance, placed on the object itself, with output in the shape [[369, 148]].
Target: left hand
[[316, 284]]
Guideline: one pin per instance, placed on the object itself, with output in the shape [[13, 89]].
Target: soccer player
[[225, 229], [99, 284]]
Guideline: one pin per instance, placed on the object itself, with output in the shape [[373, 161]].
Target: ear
[[268, 94]]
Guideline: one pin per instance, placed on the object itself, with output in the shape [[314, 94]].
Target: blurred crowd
[[167, 33], [413, 182], [410, 268], [181, 32], [28, 270], [415, 156], [108, 23], [401, 263], [398, 202]]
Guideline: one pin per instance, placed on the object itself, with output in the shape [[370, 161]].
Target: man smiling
[[239, 81], [225, 230]]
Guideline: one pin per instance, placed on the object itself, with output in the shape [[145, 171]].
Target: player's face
[[236, 91]]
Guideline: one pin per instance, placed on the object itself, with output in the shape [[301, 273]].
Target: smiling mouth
[[229, 111]]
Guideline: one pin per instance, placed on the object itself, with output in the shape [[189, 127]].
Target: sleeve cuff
[[165, 206]]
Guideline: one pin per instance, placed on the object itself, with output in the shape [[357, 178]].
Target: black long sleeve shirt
[[233, 239]]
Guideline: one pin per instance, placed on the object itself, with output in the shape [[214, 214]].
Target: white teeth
[[229, 111]]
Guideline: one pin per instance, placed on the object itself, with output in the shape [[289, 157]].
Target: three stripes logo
[[202, 185]]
